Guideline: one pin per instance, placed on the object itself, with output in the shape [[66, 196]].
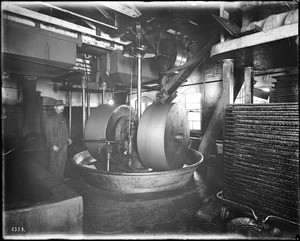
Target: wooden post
[[228, 80], [217, 121], [225, 15], [248, 85]]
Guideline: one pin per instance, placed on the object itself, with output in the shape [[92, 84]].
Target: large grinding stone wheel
[[163, 136], [101, 126]]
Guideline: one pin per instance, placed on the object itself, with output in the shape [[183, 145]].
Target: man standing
[[57, 138]]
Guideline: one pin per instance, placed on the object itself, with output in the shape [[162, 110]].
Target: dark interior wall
[[12, 119], [76, 128], [32, 108], [22, 112], [120, 98]]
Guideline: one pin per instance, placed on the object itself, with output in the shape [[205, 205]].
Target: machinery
[[160, 142], [163, 136], [110, 129], [131, 153], [128, 157]]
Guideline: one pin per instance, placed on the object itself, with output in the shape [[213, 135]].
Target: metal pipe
[[202, 83], [103, 92], [88, 104], [139, 86], [84, 79], [70, 113], [3, 154]]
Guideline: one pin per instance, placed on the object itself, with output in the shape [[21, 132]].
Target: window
[[193, 106], [192, 102], [145, 102]]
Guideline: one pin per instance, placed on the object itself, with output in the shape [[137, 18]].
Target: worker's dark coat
[[57, 130], [57, 135]]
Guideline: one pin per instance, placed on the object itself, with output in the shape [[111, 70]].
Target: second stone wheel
[[163, 136]]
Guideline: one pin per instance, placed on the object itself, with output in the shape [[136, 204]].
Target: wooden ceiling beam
[[251, 40], [126, 8], [78, 15]]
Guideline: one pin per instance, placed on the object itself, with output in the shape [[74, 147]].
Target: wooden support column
[[228, 80], [216, 124], [225, 15], [248, 85]]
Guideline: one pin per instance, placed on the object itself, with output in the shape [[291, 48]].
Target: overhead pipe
[[139, 87], [84, 83], [139, 80], [70, 113], [88, 104], [103, 92]]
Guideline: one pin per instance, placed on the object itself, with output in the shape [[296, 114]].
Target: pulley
[[172, 53]]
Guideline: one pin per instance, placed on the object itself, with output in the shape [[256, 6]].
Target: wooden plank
[[105, 14], [128, 9], [58, 22], [284, 70], [228, 81], [225, 15], [78, 15], [248, 85], [214, 128], [217, 121], [279, 33]]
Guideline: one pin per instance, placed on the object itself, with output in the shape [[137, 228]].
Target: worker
[[58, 140]]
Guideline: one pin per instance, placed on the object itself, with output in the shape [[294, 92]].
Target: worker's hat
[[58, 103]]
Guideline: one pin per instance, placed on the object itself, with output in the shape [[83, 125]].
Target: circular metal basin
[[142, 182]]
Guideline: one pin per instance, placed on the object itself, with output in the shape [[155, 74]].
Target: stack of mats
[[286, 89], [261, 158]]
